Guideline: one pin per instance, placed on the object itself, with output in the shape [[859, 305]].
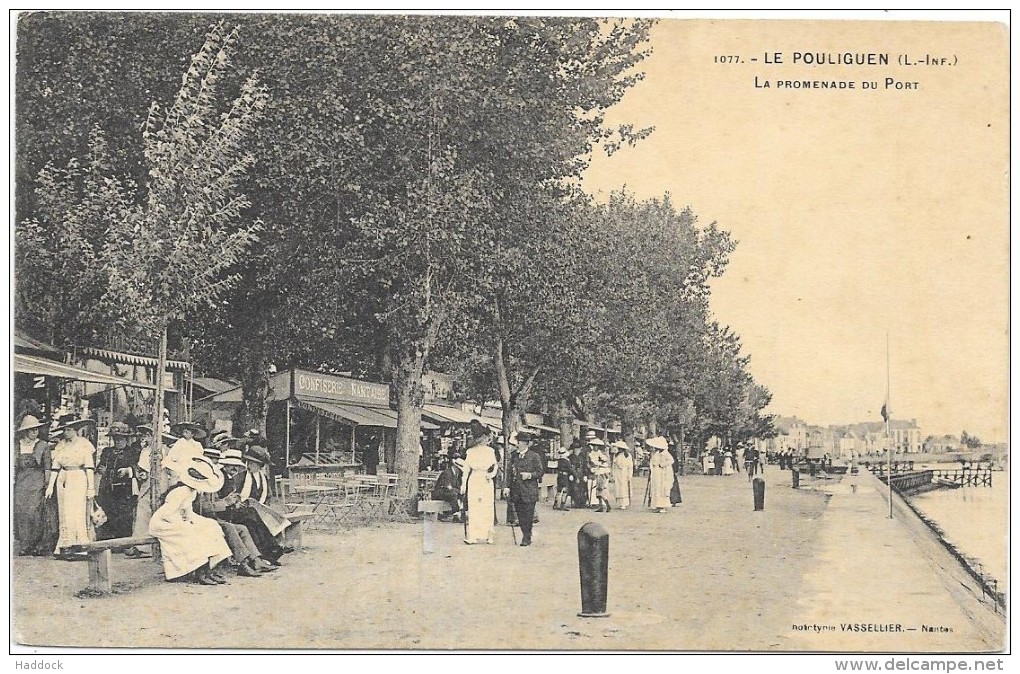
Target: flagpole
[[888, 415]]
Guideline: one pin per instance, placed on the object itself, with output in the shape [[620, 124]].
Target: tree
[[189, 232], [63, 260]]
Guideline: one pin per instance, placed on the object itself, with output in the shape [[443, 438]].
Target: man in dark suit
[[525, 474], [116, 472]]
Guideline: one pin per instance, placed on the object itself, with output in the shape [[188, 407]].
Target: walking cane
[[513, 529], [463, 507]]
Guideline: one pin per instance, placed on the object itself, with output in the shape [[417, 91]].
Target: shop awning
[[357, 415], [448, 415], [49, 368], [23, 342], [212, 384], [130, 358], [452, 415], [542, 427]]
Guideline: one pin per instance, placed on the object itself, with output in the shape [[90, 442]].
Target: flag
[[885, 411]]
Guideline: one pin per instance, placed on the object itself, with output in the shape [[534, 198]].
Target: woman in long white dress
[[190, 543], [661, 476], [73, 480], [480, 468], [623, 474], [727, 464]]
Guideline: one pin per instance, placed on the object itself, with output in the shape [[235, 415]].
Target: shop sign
[[331, 387]]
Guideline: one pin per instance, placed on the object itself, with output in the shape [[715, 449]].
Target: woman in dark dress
[[35, 516]]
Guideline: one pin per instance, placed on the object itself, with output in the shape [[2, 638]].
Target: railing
[[904, 478], [966, 477]]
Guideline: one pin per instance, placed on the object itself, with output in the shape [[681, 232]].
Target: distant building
[[942, 444]]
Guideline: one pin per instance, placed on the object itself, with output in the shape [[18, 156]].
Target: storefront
[[320, 422], [60, 386]]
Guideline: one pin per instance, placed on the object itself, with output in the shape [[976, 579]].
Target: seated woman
[[191, 544]]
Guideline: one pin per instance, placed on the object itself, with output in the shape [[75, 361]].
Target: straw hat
[[598, 442], [620, 444], [658, 442], [218, 437], [68, 421], [589, 435], [232, 457], [28, 422], [201, 474], [212, 453], [198, 431]]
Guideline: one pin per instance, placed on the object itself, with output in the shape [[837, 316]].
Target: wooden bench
[[99, 556], [294, 534], [431, 510]]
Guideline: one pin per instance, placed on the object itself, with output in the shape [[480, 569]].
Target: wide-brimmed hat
[[122, 429], [212, 453], [658, 442], [146, 429], [218, 437], [201, 474], [589, 435], [198, 431], [232, 456], [620, 444], [478, 432], [598, 442], [257, 453], [68, 421], [527, 434], [28, 422]]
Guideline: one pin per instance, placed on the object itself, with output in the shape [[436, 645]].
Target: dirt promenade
[[708, 575]]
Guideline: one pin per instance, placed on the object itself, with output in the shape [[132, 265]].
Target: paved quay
[[709, 575]]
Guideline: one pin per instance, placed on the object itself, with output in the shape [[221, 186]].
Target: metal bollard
[[593, 560], [759, 493], [796, 478]]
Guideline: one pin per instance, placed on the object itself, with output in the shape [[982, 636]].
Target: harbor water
[[976, 521]]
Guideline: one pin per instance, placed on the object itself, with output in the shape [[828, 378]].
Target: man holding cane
[[525, 474]]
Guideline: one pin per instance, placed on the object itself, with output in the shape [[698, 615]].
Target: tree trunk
[[156, 477], [565, 420], [407, 385], [255, 396]]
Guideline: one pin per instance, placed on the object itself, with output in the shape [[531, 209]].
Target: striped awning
[[130, 358], [48, 368]]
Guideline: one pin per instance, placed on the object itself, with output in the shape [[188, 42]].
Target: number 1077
[[727, 59]]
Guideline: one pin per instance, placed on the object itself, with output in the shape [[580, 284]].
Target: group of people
[[727, 461], [213, 499], [589, 474]]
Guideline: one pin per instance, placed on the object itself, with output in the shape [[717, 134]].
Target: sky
[[858, 213]]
